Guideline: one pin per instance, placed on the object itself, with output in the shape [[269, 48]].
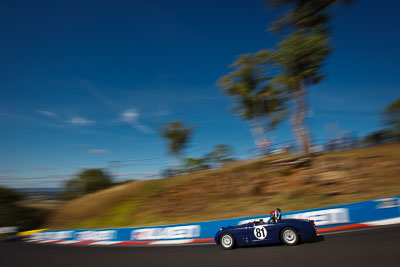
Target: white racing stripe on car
[[171, 242]]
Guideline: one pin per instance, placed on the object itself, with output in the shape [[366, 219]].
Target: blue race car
[[274, 231]]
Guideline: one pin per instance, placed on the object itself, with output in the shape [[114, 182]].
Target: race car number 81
[[260, 232]]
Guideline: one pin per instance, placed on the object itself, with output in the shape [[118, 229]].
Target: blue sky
[[87, 82]]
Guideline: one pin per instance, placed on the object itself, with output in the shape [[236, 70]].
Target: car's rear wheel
[[289, 236], [227, 241]]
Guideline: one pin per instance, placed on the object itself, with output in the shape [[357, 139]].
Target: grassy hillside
[[240, 189]]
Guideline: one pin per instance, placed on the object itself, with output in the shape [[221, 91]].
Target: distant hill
[[40, 189], [45, 192]]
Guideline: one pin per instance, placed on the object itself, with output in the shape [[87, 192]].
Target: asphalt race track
[[368, 247]]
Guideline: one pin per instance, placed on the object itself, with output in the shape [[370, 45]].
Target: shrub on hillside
[[86, 182], [13, 214]]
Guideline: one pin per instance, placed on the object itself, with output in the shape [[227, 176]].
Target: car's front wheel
[[227, 241], [289, 236]]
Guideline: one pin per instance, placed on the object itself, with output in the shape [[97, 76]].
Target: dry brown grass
[[240, 189], [93, 205]]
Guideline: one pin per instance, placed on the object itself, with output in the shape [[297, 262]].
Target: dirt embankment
[[240, 189]]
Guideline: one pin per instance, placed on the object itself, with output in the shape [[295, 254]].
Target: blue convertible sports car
[[275, 230]]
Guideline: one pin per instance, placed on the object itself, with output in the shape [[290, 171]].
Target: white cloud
[[97, 151], [81, 121], [129, 115], [46, 113]]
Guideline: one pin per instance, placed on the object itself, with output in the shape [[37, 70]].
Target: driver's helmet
[[276, 215]]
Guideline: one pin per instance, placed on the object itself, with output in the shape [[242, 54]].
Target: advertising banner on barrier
[[334, 217]]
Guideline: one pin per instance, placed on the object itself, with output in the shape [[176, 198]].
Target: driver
[[276, 215]]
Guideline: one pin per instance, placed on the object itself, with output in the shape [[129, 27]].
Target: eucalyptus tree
[[301, 56], [195, 164], [257, 99], [178, 135], [302, 53], [262, 83], [391, 117], [86, 182], [220, 155], [310, 15]]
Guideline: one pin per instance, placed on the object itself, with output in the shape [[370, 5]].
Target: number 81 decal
[[260, 232]]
